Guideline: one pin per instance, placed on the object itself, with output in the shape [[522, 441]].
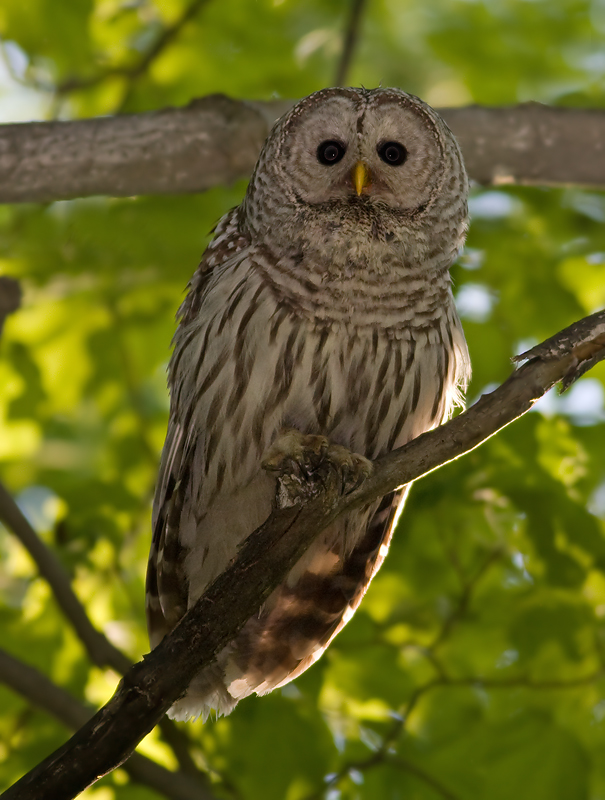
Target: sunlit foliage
[[475, 667]]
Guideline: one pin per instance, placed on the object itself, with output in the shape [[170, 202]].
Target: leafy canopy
[[474, 667]]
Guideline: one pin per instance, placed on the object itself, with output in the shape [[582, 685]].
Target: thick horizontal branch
[[40, 692], [216, 140], [153, 685]]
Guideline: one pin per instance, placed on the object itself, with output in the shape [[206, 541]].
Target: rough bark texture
[[151, 686], [216, 140], [41, 692]]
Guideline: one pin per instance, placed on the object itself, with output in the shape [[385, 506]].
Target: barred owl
[[319, 324]]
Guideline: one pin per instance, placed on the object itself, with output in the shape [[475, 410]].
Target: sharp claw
[[304, 463]]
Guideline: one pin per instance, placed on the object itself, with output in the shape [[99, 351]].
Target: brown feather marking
[[416, 389], [284, 373], [384, 365], [403, 415], [278, 317], [242, 378], [213, 373]]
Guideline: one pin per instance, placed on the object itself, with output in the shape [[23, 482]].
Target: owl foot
[[304, 463]]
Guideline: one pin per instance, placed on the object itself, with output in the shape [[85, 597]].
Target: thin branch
[[40, 692], [524, 681], [463, 603], [384, 751], [384, 755], [216, 141], [36, 687], [133, 71], [350, 41], [150, 688], [100, 650], [442, 679], [422, 775]]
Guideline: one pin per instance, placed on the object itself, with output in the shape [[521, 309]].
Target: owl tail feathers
[[219, 689], [192, 706], [204, 696]]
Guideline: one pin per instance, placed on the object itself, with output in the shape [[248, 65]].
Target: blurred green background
[[475, 667]]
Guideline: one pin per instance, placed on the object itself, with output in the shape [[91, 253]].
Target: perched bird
[[320, 326]]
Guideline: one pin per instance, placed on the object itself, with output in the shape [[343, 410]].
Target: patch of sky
[[507, 658], [18, 102], [475, 302], [492, 205], [596, 503], [40, 506], [471, 258], [584, 403], [589, 204]]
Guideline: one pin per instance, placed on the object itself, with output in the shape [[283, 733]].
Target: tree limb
[[33, 685], [216, 140], [150, 688], [132, 71], [349, 41], [100, 650]]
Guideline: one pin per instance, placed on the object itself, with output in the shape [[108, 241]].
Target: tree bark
[[41, 692], [216, 140], [153, 685]]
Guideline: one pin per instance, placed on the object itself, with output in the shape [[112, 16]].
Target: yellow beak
[[360, 176]]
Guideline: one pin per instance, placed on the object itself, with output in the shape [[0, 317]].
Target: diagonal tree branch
[[216, 140], [44, 694], [153, 685], [100, 650]]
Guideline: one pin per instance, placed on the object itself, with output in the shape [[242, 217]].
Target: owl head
[[378, 163]]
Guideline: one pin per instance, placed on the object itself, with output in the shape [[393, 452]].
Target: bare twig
[[350, 41], [463, 603], [525, 681], [384, 753], [216, 140], [150, 688], [40, 692], [380, 755], [100, 650], [422, 775], [133, 71]]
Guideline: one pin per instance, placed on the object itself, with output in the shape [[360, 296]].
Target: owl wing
[[166, 584]]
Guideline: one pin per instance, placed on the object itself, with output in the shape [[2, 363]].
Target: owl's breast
[[370, 390]]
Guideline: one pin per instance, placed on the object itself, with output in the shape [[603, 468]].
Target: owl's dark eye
[[330, 152], [392, 153]]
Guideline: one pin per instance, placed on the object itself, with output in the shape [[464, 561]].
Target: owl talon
[[304, 463]]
